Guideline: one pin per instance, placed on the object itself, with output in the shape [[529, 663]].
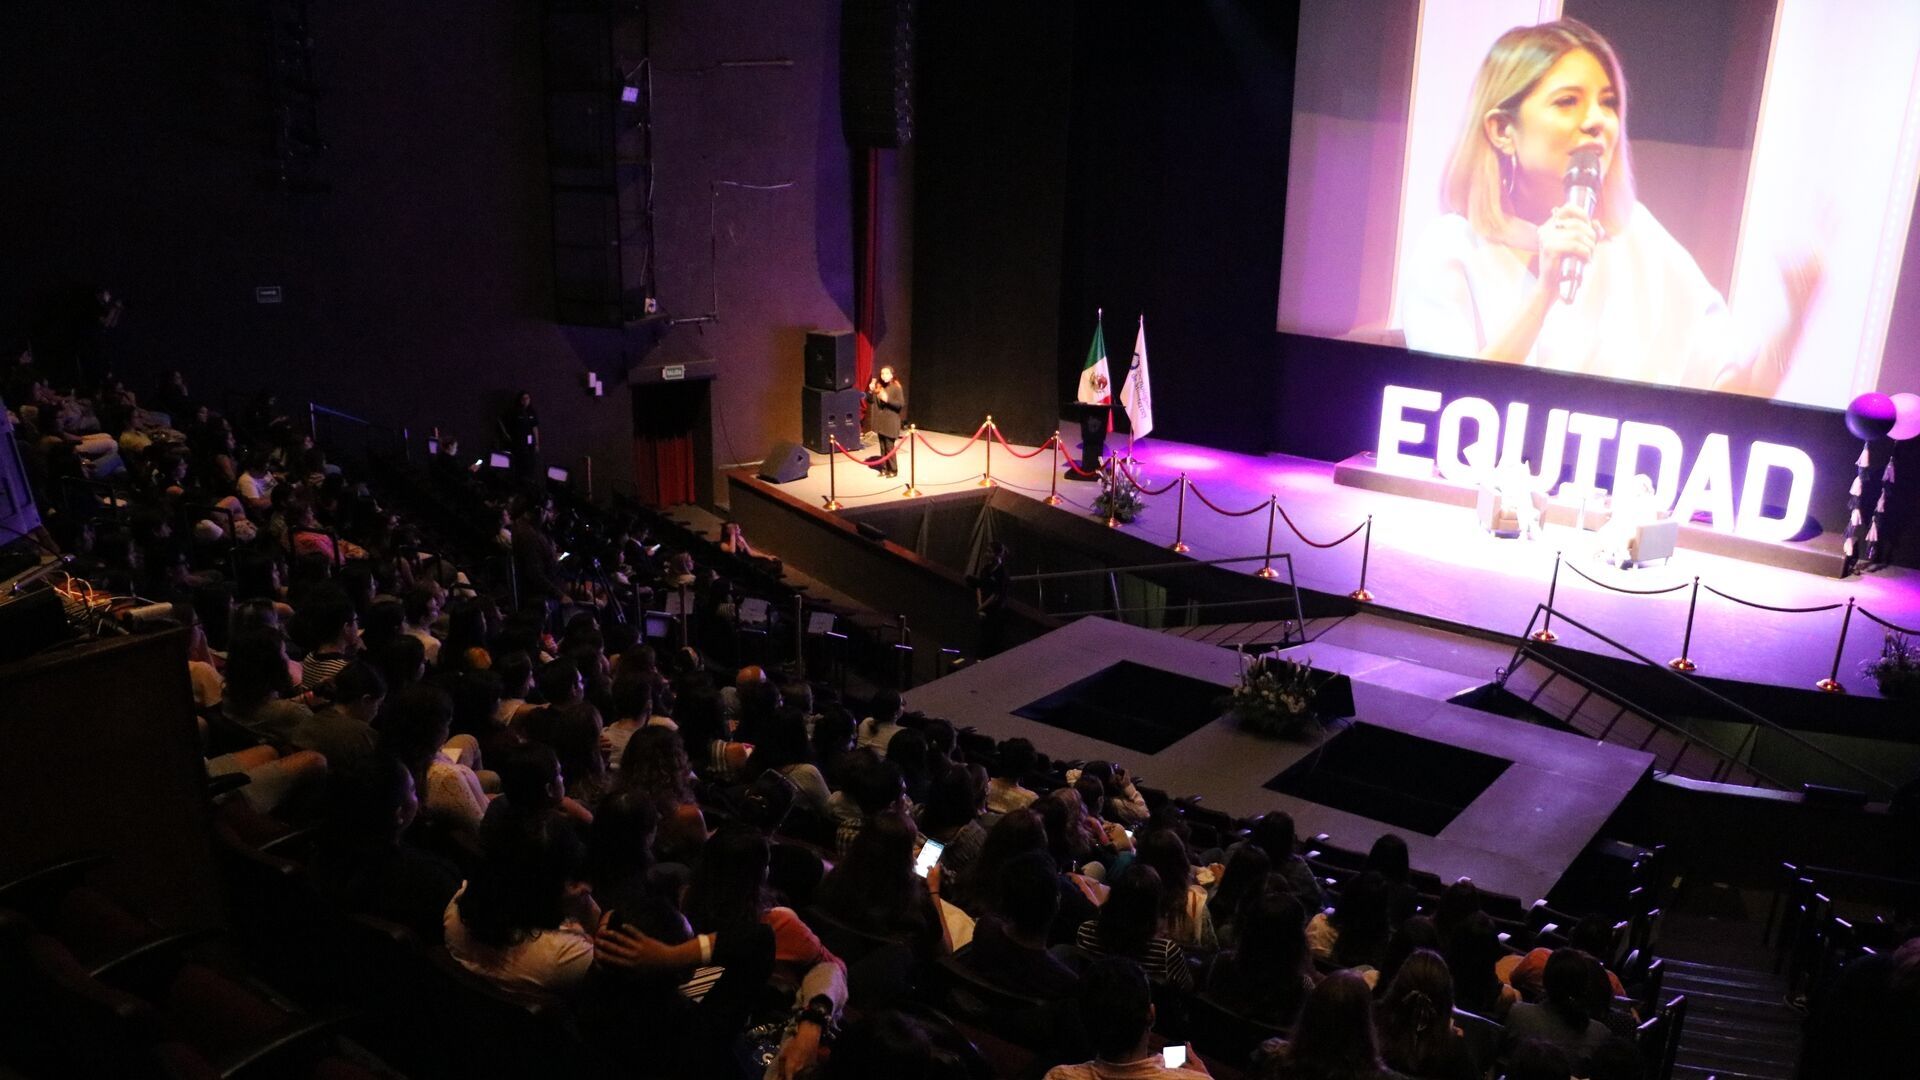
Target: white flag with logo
[[1136, 395]]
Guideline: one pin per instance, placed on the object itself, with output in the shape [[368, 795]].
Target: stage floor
[[1431, 561], [1517, 837]]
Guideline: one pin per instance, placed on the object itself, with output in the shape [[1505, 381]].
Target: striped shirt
[[1162, 960]]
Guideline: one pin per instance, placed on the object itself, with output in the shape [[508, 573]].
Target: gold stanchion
[[913, 463], [1684, 662], [1831, 684], [986, 478], [1180, 520], [1053, 483], [1113, 491], [833, 472], [1366, 551], [1266, 569], [1545, 634]]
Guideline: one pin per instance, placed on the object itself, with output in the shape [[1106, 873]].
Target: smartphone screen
[[929, 854], [1173, 1057]]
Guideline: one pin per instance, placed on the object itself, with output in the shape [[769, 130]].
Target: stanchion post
[[1113, 491], [1266, 568], [1366, 552], [1684, 662], [1545, 634], [913, 463], [833, 472], [1180, 520], [1053, 483], [1831, 684], [986, 478]]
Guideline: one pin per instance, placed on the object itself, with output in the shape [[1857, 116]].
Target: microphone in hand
[[1583, 193]]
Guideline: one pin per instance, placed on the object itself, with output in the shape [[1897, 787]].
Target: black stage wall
[[990, 170], [1130, 156], [1182, 114]]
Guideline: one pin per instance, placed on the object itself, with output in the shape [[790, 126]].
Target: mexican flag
[[1096, 386]]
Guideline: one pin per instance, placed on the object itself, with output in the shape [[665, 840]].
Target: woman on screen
[[1486, 279]]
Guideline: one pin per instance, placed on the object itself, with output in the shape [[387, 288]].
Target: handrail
[[1293, 582], [1177, 564], [1688, 738], [315, 410], [1527, 647]]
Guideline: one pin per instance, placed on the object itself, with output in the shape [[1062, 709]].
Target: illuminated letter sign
[[1708, 486]]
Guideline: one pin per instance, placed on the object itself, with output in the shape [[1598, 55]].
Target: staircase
[[1738, 1025], [1600, 714]]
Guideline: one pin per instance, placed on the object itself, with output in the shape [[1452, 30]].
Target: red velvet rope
[[1314, 543], [881, 460], [1071, 467], [943, 453], [1044, 447], [1198, 494], [1127, 467]]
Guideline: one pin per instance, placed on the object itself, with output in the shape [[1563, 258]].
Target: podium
[[1094, 421]]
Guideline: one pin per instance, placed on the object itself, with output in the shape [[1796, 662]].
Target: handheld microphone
[[1583, 192]]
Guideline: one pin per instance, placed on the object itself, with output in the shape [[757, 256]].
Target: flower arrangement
[[1897, 670], [1275, 697], [1119, 497]]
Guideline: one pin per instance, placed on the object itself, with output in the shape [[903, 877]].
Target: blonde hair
[[1517, 62]]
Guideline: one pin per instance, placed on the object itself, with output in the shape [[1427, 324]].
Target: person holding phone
[[1116, 1010]]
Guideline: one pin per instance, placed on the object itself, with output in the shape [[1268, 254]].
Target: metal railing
[[316, 412], [1113, 573], [1530, 648]]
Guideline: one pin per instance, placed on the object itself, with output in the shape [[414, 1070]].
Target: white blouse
[[1645, 311]]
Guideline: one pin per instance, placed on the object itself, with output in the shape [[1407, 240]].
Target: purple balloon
[[1871, 416]]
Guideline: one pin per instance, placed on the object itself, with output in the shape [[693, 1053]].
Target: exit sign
[[266, 294]]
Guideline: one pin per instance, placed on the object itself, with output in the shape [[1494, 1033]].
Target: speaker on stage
[[829, 359], [829, 413], [785, 462]]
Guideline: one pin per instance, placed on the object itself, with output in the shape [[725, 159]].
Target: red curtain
[[663, 471]]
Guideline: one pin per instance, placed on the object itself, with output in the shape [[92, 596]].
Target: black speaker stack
[[829, 402]]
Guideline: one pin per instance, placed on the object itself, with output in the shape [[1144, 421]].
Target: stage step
[[1585, 710], [1738, 1023]]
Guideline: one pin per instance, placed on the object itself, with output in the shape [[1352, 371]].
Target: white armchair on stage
[[1654, 540]]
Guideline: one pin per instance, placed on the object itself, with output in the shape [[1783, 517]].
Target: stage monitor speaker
[[829, 359], [828, 414], [785, 462], [876, 72]]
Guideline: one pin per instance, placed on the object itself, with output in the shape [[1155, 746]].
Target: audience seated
[[525, 919], [1334, 1040], [1009, 946], [875, 891], [1132, 925], [1268, 974], [362, 860], [1355, 933], [1415, 1019], [1563, 1018], [1117, 1013]]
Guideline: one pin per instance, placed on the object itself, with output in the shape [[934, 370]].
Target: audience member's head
[[1246, 875], [1565, 985], [1364, 916], [1015, 759], [729, 887], [1457, 901], [1335, 1035], [1272, 953], [655, 762], [1273, 832], [1471, 952], [1163, 850], [371, 801], [888, 706], [416, 726], [1134, 912], [1116, 1009], [620, 843], [526, 886], [874, 785], [358, 691], [1417, 932], [1389, 857], [1416, 1014], [1029, 895], [530, 777], [952, 801], [1015, 834]]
